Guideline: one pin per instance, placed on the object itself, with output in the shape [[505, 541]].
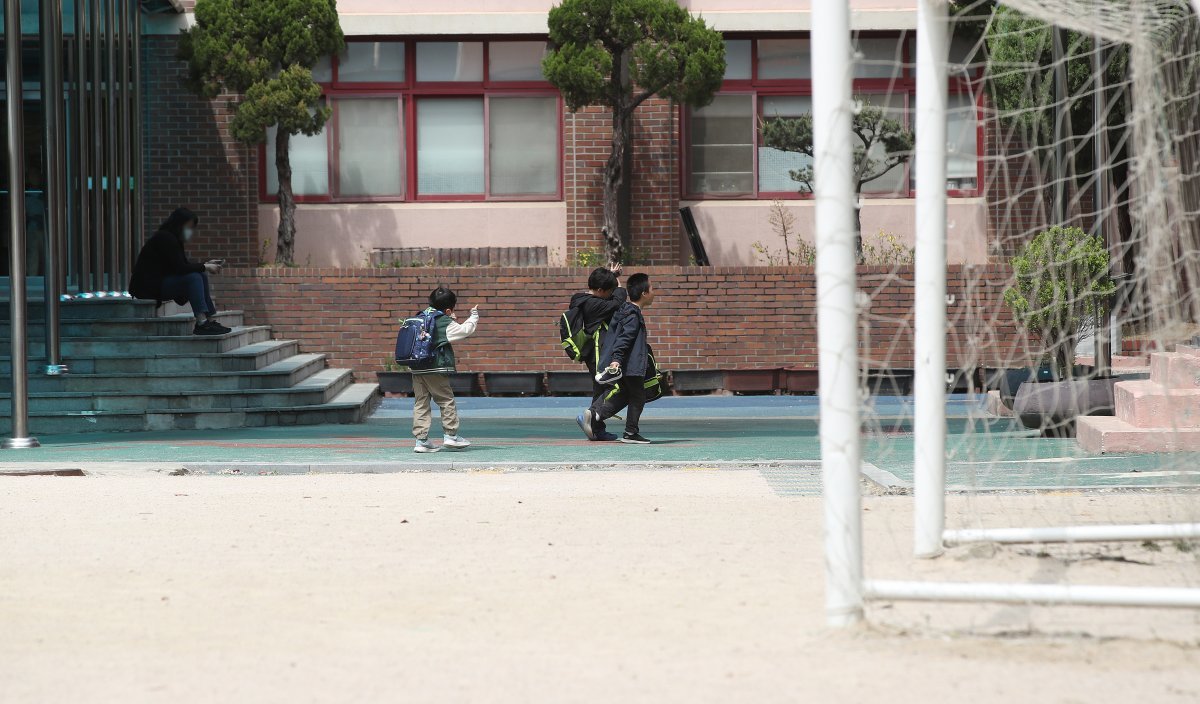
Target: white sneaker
[[456, 442], [424, 446]]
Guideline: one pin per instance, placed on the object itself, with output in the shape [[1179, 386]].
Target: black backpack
[[576, 341]]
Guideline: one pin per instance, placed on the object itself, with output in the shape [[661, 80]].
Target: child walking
[[431, 379], [625, 357], [597, 307]]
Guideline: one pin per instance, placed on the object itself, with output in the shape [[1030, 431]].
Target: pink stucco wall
[[344, 235], [730, 228]]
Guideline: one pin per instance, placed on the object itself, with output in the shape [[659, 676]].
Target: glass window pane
[[516, 61], [524, 146], [784, 58], [775, 166], [737, 59], [881, 58], [310, 164], [369, 148], [323, 71], [450, 146], [892, 182], [449, 61], [372, 62], [962, 143], [721, 146]]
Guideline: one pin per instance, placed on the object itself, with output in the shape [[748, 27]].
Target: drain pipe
[[16, 195]]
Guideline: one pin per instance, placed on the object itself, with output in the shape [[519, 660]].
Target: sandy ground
[[658, 586]]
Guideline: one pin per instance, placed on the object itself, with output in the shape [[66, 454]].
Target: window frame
[[408, 92], [903, 84]]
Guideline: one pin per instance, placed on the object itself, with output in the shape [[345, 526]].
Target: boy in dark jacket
[[625, 355], [598, 305]]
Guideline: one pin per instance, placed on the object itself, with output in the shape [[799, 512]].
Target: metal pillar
[[97, 170], [56, 170], [15, 106], [82, 142], [1100, 198], [123, 161], [1062, 116], [837, 313], [135, 176], [929, 446], [111, 125]]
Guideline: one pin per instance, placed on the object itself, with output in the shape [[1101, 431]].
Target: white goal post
[[841, 448]]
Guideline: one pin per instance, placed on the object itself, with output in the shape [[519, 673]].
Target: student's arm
[[606, 308], [456, 332], [176, 261]]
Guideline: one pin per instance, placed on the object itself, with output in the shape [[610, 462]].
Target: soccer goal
[[1060, 139]]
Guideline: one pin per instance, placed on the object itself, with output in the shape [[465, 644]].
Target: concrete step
[[90, 309], [1109, 434], [353, 405], [243, 359], [170, 344], [1147, 404], [282, 374], [176, 325], [1175, 370], [317, 389]]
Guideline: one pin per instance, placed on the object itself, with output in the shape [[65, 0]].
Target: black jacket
[[598, 311], [626, 341], [161, 256]]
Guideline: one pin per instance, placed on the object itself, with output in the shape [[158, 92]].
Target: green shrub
[[1061, 284]]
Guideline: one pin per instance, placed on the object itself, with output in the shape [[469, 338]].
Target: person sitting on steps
[[163, 272]]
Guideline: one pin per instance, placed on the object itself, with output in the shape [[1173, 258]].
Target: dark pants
[[599, 391], [631, 397], [193, 287]]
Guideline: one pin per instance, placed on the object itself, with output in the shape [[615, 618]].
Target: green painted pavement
[[983, 452]]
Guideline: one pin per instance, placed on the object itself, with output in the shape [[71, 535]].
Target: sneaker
[[585, 421], [607, 437], [205, 329], [423, 445], [635, 439], [455, 442], [214, 325], [610, 375]]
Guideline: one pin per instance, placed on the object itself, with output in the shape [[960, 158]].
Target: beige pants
[[436, 388]]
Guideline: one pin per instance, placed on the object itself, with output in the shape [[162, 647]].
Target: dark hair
[[175, 222], [602, 280], [442, 298], [637, 286]]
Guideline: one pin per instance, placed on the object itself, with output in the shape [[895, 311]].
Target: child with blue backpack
[[436, 328]]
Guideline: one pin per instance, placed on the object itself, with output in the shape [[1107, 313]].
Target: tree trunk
[[285, 243], [614, 181], [858, 240]]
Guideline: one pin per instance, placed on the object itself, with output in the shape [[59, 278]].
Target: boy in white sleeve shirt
[[431, 379]]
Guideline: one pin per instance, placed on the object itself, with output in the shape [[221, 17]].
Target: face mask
[[187, 233]]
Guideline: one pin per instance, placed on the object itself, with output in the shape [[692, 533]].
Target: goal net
[[1069, 468]]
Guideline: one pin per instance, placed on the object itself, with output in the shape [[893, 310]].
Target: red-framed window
[[770, 77], [430, 119]]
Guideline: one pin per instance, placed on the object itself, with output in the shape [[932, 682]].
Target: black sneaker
[[635, 439], [205, 329], [610, 375], [212, 324]]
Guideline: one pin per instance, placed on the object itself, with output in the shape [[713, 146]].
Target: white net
[[1090, 187]]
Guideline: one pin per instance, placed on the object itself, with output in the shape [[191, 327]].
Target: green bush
[[1061, 284]]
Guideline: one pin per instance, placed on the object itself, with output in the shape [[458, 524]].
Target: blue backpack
[[415, 341]]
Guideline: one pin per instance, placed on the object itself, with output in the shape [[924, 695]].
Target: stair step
[[1176, 370], [179, 325], [317, 389], [353, 405], [1147, 404], [250, 357], [170, 344], [1109, 434], [86, 309], [281, 374]]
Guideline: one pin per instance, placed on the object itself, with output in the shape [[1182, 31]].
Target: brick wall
[[703, 318], [655, 230], [190, 160]]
